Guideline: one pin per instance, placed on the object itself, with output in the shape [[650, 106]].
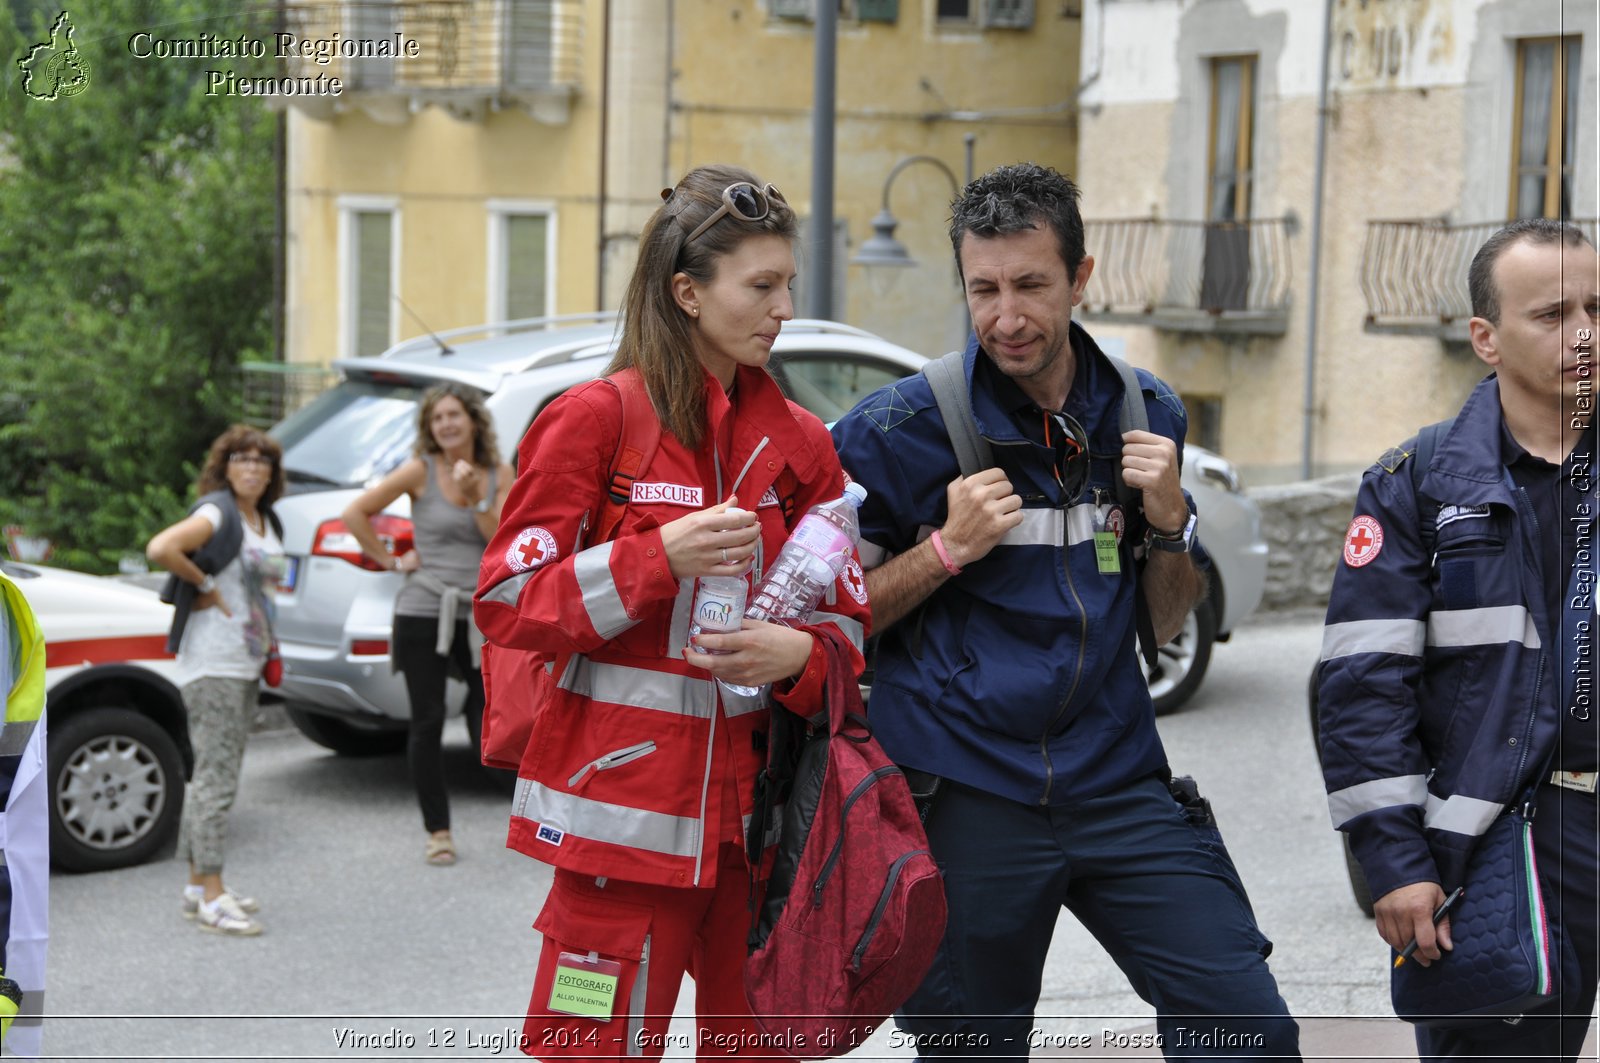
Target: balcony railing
[[1414, 274], [469, 54], [1191, 276]]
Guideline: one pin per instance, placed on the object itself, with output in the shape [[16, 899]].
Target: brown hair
[[657, 338], [240, 437], [485, 447]]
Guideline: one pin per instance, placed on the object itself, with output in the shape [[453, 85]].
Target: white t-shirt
[[233, 647]]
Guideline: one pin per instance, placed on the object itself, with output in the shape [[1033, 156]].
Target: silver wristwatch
[[1179, 543], [207, 585]]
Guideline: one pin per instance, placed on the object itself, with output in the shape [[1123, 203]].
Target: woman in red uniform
[[638, 781]]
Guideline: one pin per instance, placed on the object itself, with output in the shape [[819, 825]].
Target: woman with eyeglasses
[[457, 484], [225, 559], [639, 778]]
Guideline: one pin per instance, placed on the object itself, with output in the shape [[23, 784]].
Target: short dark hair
[[1537, 231], [241, 437], [1016, 198]]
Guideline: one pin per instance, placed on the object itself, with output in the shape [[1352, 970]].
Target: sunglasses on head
[[744, 201]]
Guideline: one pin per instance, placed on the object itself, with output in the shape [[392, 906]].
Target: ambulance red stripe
[[105, 651]]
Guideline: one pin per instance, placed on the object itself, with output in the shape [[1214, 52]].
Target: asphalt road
[[369, 953]]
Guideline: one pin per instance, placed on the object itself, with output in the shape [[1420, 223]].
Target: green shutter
[[526, 239], [878, 10], [374, 245]]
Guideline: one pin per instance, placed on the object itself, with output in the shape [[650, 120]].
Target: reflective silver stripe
[[1486, 626], [640, 688], [872, 555], [1461, 815], [1365, 797], [1042, 527], [636, 1002], [774, 828], [678, 626], [607, 613], [1373, 636], [507, 591], [744, 704], [601, 821], [14, 737], [852, 628]]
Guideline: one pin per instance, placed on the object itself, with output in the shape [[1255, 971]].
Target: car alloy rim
[[111, 792], [1175, 659]]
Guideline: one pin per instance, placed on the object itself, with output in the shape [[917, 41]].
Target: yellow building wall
[[742, 92], [442, 171], [1372, 390]]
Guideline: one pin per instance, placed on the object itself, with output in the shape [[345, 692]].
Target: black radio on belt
[[1196, 809]]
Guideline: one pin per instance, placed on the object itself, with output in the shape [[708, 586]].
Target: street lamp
[[881, 248]]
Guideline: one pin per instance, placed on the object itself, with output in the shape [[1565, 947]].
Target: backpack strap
[[636, 448], [948, 379], [1133, 417], [1427, 507]]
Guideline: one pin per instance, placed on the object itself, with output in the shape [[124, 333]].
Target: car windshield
[[350, 434]]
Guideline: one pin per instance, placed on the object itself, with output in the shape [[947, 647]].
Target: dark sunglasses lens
[[745, 202]]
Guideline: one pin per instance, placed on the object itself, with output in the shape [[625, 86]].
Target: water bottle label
[[714, 611], [821, 538]]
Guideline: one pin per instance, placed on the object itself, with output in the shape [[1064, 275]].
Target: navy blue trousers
[[1159, 893], [1565, 835]]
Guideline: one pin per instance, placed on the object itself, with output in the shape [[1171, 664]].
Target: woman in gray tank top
[[457, 485]]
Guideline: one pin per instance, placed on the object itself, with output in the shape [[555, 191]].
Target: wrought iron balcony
[[1191, 276], [1414, 274], [464, 55]]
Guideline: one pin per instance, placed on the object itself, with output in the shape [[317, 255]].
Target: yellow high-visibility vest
[[24, 815]]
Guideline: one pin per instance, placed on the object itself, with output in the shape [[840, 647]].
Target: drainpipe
[[605, 117], [1318, 173]]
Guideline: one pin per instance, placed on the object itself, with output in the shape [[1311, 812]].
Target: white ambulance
[[118, 740]]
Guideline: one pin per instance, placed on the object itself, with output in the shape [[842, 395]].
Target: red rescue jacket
[[626, 773]]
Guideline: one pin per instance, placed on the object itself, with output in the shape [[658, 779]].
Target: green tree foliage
[[136, 227]]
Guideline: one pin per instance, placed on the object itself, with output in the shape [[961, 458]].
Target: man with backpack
[[1008, 678], [1457, 661]]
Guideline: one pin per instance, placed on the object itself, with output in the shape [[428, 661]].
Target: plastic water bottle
[[718, 607], [817, 551]]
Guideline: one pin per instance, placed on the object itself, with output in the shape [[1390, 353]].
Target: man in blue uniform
[[1454, 672], [1008, 666]]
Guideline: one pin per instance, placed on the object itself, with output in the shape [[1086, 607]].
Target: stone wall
[[1304, 525]]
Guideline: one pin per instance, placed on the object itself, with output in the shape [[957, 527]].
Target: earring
[[695, 311]]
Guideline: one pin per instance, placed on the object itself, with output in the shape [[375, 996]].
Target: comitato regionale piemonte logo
[[55, 68]]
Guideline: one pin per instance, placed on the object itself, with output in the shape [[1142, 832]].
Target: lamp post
[[881, 248]]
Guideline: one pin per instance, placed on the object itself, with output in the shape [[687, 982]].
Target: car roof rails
[[431, 342]]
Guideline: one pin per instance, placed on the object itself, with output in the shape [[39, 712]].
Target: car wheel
[[1181, 663], [116, 789], [346, 739]]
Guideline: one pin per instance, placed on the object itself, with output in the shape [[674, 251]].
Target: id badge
[[1108, 525], [585, 986]]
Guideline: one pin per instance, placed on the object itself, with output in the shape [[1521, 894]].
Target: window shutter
[[526, 237], [877, 10], [1008, 14], [797, 9], [373, 251]]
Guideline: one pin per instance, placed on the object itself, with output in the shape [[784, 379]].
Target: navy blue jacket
[[1020, 676], [1443, 681]]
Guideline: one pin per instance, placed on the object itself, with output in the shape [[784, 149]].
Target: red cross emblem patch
[[855, 581], [1363, 541], [531, 548]]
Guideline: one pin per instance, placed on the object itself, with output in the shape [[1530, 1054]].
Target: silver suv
[[335, 605]]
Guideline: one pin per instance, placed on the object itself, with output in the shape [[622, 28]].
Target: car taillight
[[333, 539]]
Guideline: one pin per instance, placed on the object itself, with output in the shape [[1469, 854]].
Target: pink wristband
[[944, 555]]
